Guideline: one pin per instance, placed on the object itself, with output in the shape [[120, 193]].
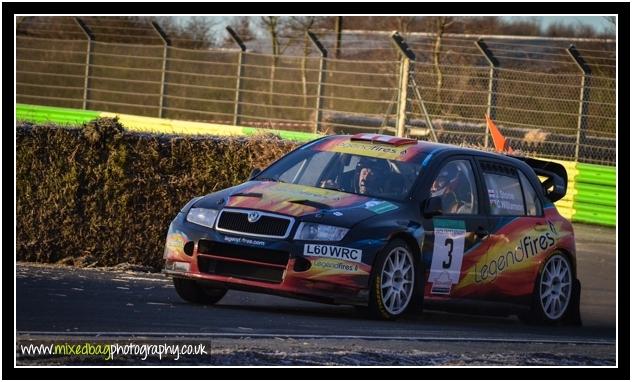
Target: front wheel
[[191, 291], [392, 281]]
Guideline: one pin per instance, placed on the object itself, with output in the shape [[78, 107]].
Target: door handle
[[481, 233], [539, 226]]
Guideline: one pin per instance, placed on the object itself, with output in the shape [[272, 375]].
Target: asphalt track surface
[[55, 301]]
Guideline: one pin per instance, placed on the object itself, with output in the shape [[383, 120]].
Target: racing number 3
[[449, 242], [447, 254]]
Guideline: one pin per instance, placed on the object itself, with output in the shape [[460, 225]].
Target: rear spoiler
[[556, 178]]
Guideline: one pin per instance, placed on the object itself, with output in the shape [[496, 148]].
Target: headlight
[[320, 232], [202, 216]]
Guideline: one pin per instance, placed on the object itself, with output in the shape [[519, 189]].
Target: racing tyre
[[393, 281], [554, 292], [191, 291]]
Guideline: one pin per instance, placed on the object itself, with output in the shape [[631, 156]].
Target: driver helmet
[[369, 173], [442, 181]]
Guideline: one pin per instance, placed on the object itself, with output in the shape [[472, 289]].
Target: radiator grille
[[267, 225]]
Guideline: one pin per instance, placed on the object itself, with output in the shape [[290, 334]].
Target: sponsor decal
[[370, 149], [442, 284], [528, 246], [175, 244], [379, 207], [447, 255], [276, 197], [243, 240], [337, 213], [504, 200], [338, 265], [332, 251]]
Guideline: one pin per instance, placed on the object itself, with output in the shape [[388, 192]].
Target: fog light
[[188, 248], [181, 266], [301, 264]]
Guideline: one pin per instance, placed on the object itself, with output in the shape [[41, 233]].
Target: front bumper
[[282, 267]]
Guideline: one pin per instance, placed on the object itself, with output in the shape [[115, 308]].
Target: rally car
[[389, 224]]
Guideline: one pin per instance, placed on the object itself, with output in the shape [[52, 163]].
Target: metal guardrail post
[[405, 72], [240, 64], [90, 36], [165, 39], [584, 96], [493, 83], [321, 72]]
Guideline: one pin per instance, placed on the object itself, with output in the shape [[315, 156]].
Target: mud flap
[[573, 316]]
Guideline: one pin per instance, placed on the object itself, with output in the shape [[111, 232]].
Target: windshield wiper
[[336, 189]]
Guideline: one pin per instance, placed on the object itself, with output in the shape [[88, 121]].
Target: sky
[[598, 22]]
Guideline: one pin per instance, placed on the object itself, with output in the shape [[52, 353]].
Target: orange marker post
[[500, 143]]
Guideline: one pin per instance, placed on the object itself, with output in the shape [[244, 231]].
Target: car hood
[[329, 206]]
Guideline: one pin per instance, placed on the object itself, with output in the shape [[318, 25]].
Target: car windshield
[[351, 173]]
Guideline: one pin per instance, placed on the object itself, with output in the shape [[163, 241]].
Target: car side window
[[534, 208], [456, 185], [503, 190]]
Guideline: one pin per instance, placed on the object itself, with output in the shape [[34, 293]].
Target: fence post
[[406, 70], [493, 82], [165, 39], [584, 96], [338, 35], [321, 72], [90, 37], [240, 63]]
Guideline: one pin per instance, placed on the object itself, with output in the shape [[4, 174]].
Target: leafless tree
[[440, 24], [194, 33], [242, 26], [611, 29], [197, 30], [272, 25], [403, 24], [300, 26]]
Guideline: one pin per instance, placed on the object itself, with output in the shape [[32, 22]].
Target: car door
[[518, 234], [453, 238]]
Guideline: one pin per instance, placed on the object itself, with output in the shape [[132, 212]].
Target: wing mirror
[[433, 206], [255, 171]]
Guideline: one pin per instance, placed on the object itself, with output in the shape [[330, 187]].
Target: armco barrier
[[595, 199], [57, 115], [566, 205], [591, 189], [590, 193], [64, 116]]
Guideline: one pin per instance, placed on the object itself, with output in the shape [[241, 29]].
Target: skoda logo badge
[[253, 216]]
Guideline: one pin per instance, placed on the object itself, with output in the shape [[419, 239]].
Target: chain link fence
[[541, 100]]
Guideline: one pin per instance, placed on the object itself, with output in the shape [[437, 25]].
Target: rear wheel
[[191, 291], [392, 281], [553, 291]]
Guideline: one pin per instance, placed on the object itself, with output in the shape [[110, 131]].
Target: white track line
[[579, 341]]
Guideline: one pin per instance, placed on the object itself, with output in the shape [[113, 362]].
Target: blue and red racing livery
[[389, 223]]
